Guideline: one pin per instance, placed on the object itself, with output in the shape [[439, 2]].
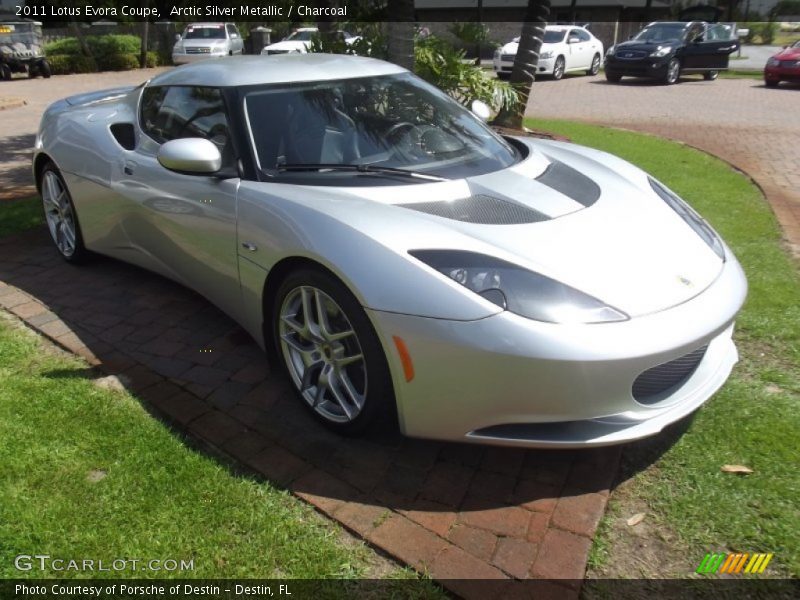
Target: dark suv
[[665, 49]]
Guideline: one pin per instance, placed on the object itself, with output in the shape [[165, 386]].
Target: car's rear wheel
[[613, 77], [595, 67], [673, 72], [331, 352], [5, 72], [558, 68], [45, 69], [711, 75], [60, 215], [502, 75]]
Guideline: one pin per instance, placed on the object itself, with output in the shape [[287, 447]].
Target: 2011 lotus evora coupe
[[397, 254]]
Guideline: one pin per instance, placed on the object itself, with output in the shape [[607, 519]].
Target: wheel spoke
[[356, 398], [348, 360], [301, 330], [308, 376], [337, 395]]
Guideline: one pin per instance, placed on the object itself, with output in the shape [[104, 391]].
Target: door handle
[[128, 168]]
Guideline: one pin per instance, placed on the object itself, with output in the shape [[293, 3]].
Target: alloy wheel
[[673, 71], [558, 69], [59, 214], [595, 68], [323, 354]]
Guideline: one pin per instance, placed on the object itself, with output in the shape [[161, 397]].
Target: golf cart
[[21, 49]]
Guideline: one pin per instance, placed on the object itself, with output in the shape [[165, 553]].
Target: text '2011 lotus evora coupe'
[[398, 255]]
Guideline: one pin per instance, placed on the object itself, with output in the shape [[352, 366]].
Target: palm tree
[[524, 72], [400, 33]]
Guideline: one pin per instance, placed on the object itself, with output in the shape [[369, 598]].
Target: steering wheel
[[406, 139]]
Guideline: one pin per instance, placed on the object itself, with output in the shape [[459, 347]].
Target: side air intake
[[570, 182], [480, 209]]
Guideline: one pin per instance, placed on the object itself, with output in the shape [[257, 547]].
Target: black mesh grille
[[485, 210], [570, 182], [650, 384]]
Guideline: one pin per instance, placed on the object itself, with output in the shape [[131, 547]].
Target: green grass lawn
[[19, 215], [755, 419]]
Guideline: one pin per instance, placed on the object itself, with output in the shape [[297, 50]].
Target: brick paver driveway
[[453, 511], [753, 127]]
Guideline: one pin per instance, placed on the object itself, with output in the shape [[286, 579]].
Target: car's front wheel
[[613, 77], [59, 212], [331, 352], [710, 75], [673, 72], [595, 66], [44, 68], [5, 72], [558, 68], [772, 82]]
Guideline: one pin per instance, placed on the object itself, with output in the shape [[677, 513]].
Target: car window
[[204, 32], [661, 32], [551, 37], [581, 35], [719, 32], [231, 30], [173, 112]]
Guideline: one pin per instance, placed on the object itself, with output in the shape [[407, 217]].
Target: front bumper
[[511, 381], [651, 67], [182, 59], [782, 74], [545, 66]]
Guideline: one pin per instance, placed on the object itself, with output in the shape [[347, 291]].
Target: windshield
[[395, 121], [23, 33], [796, 44], [553, 37], [206, 32], [301, 36], [662, 32]]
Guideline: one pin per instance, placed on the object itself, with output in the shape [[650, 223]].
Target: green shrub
[[119, 62], [59, 64], [62, 64], [768, 32], [101, 45], [153, 60], [63, 47]]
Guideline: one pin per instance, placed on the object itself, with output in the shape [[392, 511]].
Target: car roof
[[234, 71]]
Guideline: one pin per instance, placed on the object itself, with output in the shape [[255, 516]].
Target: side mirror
[[573, 40], [481, 110], [193, 156]]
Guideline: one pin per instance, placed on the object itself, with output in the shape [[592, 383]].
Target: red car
[[784, 66]]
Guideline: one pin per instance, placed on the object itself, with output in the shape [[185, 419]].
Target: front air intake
[[649, 387]]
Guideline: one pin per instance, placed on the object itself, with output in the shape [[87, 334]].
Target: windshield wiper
[[357, 168]]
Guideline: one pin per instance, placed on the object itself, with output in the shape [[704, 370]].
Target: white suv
[[207, 40], [565, 48]]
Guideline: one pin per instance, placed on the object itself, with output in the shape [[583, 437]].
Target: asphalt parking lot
[[753, 127]]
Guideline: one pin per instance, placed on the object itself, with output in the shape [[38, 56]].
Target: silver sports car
[[400, 258]]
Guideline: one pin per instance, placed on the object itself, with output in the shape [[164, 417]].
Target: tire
[[673, 72], [33, 72], [558, 68], [45, 70], [60, 216], [503, 76], [5, 72], [347, 397], [613, 77], [711, 75], [772, 82], [595, 68]]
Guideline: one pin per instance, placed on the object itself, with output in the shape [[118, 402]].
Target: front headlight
[[546, 54], [685, 212], [178, 47], [497, 53], [610, 51], [661, 51], [773, 62], [518, 290]]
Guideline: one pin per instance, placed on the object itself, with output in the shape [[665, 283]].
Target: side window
[[583, 35], [696, 33], [172, 112], [232, 31]]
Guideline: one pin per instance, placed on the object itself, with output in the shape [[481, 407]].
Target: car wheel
[[331, 352], [33, 72], [711, 75], [558, 68], [772, 82], [673, 72], [5, 72], [504, 76], [613, 77], [59, 212], [45, 70], [595, 68]]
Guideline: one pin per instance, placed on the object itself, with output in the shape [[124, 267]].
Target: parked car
[[664, 50], [300, 41], [21, 49], [398, 255], [207, 40], [784, 66], [565, 49]]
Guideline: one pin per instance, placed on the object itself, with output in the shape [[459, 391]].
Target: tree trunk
[[145, 35], [527, 59], [76, 29], [400, 33]]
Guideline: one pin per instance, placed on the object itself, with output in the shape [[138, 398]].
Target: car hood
[[788, 54], [289, 45], [625, 247]]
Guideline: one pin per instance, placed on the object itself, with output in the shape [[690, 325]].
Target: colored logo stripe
[[733, 563]]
